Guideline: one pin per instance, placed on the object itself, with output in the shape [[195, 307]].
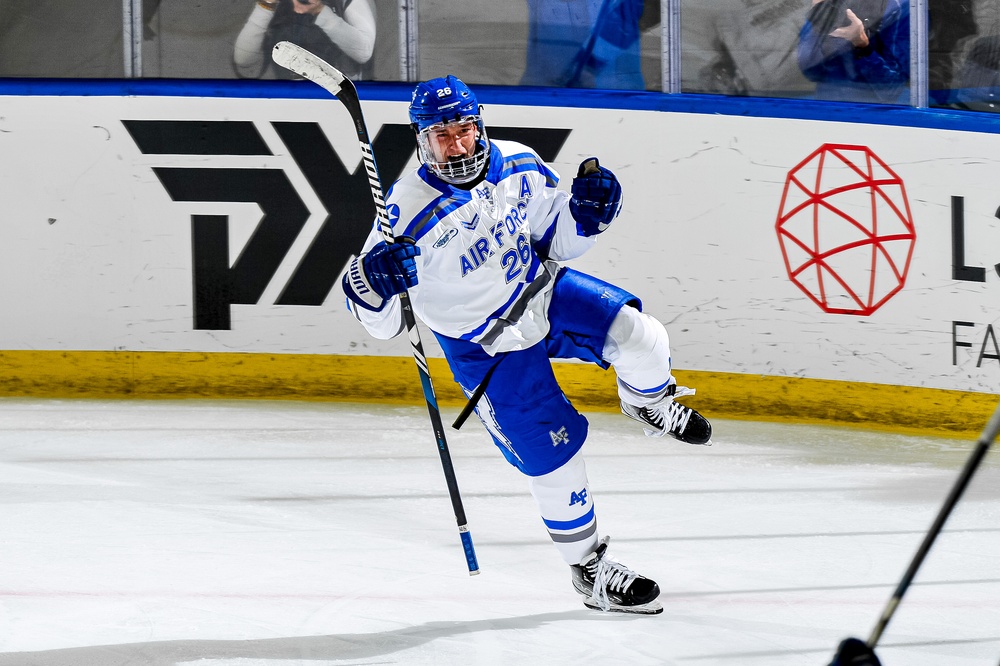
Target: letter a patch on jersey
[[559, 437], [525, 189]]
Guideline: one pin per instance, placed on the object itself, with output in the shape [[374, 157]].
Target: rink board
[[178, 245], [394, 380]]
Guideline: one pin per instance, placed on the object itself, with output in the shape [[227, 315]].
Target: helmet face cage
[[459, 170], [439, 103]]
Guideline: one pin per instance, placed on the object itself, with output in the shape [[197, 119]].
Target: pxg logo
[[219, 282]]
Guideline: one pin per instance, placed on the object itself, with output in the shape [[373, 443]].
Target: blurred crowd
[[854, 50]]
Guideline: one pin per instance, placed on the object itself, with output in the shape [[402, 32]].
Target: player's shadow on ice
[[304, 648]]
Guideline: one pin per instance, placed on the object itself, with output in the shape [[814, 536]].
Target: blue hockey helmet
[[436, 104]]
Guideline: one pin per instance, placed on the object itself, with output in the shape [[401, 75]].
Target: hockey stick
[[852, 651], [476, 396], [300, 61]]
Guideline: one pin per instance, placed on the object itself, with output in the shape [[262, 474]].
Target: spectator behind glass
[[951, 23], [342, 32], [742, 47], [858, 50], [587, 43], [979, 78]]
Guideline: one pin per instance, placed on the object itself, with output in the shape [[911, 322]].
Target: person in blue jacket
[[587, 43], [857, 50]]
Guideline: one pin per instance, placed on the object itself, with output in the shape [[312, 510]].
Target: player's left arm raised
[[596, 198]]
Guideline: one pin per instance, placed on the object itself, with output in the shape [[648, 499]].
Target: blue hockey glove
[[391, 269], [596, 198], [387, 270]]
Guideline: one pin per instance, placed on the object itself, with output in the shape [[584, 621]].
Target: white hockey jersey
[[488, 256]]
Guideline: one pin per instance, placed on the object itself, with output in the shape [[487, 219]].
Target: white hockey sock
[[639, 349], [567, 510]]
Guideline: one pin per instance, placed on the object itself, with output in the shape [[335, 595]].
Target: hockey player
[[482, 229]]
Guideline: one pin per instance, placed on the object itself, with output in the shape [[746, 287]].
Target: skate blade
[[651, 608], [708, 443]]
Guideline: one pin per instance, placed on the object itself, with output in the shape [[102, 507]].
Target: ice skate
[[667, 417], [610, 586]]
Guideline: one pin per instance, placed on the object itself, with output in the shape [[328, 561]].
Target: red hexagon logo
[[845, 229]]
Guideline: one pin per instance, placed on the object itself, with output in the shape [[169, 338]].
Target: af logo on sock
[[580, 497]]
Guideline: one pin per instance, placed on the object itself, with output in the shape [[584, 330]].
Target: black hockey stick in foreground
[[300, 61], [854, 652]]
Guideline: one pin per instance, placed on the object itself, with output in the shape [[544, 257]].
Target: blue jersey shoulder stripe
[[431, 179], [431, 214], [425, 220], [527, 162], [450, 199]]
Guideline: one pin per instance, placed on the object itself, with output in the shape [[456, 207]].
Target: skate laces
[[609, 574], [668, 415]]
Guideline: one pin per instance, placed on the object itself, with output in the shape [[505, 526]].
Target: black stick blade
[[855, 652]]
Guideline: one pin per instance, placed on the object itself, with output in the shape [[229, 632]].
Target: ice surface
[[285, 533]]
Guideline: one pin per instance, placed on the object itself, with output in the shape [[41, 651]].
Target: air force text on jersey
[[514, 223]]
